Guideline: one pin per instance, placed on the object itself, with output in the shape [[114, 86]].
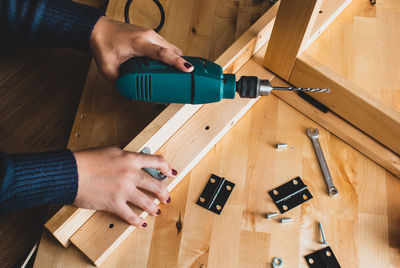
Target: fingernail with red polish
[[158, 212], [188, 65], [169, 200], [174, 172], [144, 225]]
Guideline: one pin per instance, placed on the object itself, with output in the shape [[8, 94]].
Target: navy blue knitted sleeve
[[28, 180], [46, 23]]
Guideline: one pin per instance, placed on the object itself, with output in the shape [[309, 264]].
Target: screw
[[285, 220], [324, 242], [271, 215], [281, 146]]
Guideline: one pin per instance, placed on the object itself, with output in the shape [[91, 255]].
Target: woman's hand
[[110, 177], [113, 42]]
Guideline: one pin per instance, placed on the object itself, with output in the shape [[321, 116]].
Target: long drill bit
[[302, 89]]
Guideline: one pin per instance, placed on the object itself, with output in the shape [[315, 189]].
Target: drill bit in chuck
[[303, 89], [252, 87]]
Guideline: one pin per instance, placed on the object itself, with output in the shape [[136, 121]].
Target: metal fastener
[[276, 262], [324, 242], [281, 146], [271, 215], [285, 220]]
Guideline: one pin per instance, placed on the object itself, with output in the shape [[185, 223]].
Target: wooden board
[[247, 236], [294, 22], [367, 38], [348, 100], [344, 131], [288, 39], [363, 217], [69, 219]]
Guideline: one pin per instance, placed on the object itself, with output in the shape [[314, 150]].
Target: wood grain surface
[[361, 224], [292, 29], [103, 113], [366, 40], [69, 219]]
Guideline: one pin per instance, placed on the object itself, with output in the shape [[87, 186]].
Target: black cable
[[160, 7]]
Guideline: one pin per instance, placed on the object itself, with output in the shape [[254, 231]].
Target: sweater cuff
[[68, 24], [40, 178]]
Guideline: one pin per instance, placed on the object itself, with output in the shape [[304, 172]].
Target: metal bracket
[[290, 195], [323, 258], [215, 194], [152, 171], [313, 102]]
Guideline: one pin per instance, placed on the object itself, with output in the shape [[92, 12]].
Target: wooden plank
[[68, 221], [96, 240], [294, 22], [183, 150], [367, 40], [349, 101], [328, 12], [273, 121], [246, 155], [344, 131]]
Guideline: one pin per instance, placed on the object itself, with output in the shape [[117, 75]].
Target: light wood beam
[[349, 101], [69, 219], [292, 29]]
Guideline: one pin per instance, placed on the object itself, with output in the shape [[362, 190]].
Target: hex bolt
[[286, 220], [324, 242], [281, 146], [271, 215]]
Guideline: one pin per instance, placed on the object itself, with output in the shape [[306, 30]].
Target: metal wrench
[[321, 159]]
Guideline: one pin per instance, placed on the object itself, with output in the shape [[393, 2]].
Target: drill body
[[151, 80]]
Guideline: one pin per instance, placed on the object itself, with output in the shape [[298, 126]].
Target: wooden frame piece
[[294, 22], [349, 101], [288, 41], [69, 219], [165, 134]]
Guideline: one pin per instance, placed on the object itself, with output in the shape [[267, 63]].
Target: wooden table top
[[361, 223]]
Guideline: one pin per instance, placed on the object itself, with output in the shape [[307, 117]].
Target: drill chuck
[[252, 87]]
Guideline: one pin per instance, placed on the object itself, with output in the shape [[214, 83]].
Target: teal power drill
[[151, 80]]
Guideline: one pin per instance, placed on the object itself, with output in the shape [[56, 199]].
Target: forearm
[[46, 23], [28, 180]]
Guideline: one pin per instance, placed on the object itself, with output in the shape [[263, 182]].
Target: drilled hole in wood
[[275, 192], [218, 207], [295, 182], [228, 187], [285, 207], [202, 199], [328, 253], [77, 135], [207, 128], [83, 116], [320, 11], [310, 261], [111, 225]]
